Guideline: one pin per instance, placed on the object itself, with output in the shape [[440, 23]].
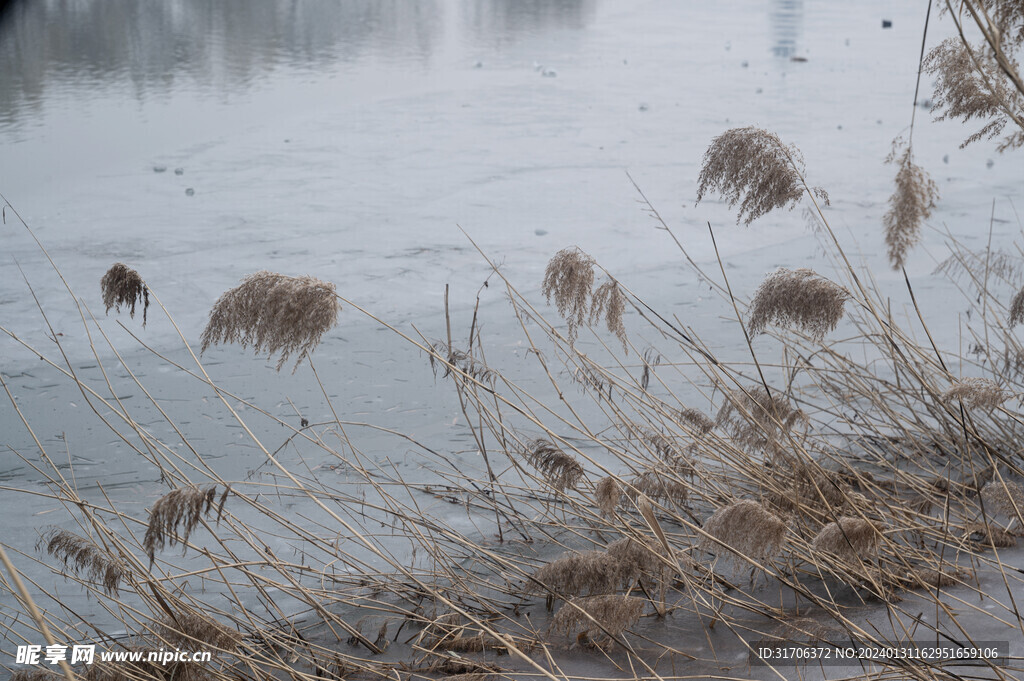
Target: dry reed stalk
[[574, 573], [1006, 497], [744, 529], [799, 298], [274, 313], [82, 555], [191, 630], [122, 285], [609, 301], [182, 507], [755, 418], [607, 494], [754, 168], [980, 393], [614, 613], [850, 539], [909, 206], [569, 278], [561, 470]]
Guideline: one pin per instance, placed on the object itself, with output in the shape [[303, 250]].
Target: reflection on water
[[154, 47], [787, 22]]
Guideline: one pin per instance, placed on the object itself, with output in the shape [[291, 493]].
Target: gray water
[[352, 140]]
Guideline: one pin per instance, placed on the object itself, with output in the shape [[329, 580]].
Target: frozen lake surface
[[199, 142]]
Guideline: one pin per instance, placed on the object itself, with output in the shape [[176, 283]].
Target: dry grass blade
[[980, 393], [274, 313], [561, 470], [568, 279], [175, 515], [609, 302], [122, 285], [798, 298], [745, 528], [607, 494], [83, 556], [754, 168], [909, 206], [614, 613], [1006, 497], [850, 539]]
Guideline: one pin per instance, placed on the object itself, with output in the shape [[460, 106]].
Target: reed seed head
[[274, 313], [191, 631], [756, 418], [568, 279], [1006, 497], [699, 423], [745, 528], [851, 539], [575, 573], [752, 167], [1017, 308], [84, 556], [607, 494], [909, 206], [175, 515], [561, 470], [609, 302], [979, 393], [122, 285], [798, 298], [614, 613]]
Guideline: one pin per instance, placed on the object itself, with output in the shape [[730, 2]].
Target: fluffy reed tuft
[[661, 482], [84, 556], [464, 362], [799, 298], [745, 529], [909, 206], [614, 613], [574, 573], [568, 279], [971, 86], [122, 285], [176, 514], [636, 559], [609, 302], [980, 393], [607, 494], [752, 167], [697, 420], [988, 535], [275, 314], [561, 470], [1006, 497], [190, 630], [756, 418], [850, 539], [1017, 308]]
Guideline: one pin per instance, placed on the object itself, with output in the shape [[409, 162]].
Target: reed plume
[[756, 418], [614, 613], [191, 630], [607, 494], [698, 422], [274, 313], [636, 559], [850, 539], [799, 298], [661, 482], [82, 555], [574, 573], [909, 206], [464, 362], [971, 86], [989, 535], [980, 393], [561, 470], [744, 529], [1017, 308], [1006, 497], [609, 301], [122, 285], [568, 279], [752, 167], [176, 514]]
